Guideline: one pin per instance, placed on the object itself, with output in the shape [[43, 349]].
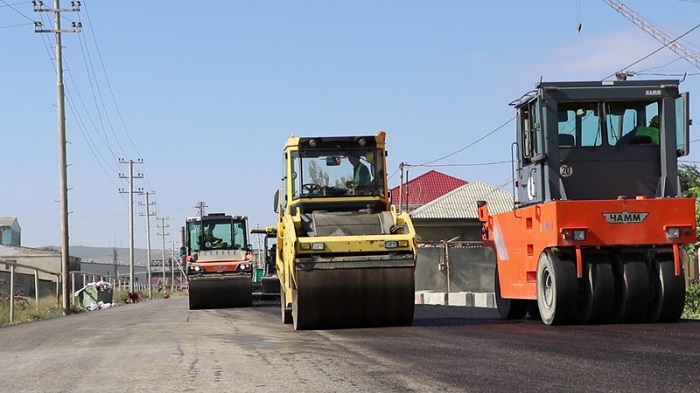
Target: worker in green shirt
[[642, 134], [360, 173]]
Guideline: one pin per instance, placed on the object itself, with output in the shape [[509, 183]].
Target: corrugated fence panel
[[469, 265]]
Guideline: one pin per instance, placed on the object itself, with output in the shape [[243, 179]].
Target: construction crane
[[654, 31]]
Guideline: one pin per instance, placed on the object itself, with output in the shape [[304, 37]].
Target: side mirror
[[277, 201], [183, 251], [333, 160]]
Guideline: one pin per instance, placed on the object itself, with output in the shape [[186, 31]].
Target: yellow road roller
[[345, 257]]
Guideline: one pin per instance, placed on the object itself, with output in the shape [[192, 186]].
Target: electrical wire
[[11, 6], [462, 165], [654, 52], [469, 145], [19, 25], [111, 92]]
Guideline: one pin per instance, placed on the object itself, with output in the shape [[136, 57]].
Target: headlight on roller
[[312, 246], [673, 232], [577, 235], [391, 244], [244, 266]]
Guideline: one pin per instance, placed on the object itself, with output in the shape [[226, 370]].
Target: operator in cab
[[642, 134], [208, 238], [360, 173]]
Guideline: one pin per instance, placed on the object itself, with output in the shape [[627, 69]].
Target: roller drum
[[220, 292], [353, 297]]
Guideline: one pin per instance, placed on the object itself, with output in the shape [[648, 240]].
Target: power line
[[9, 5], [19, 25], [16, 10], [109, 85], [462, 165], [469, 145], [654, 52]]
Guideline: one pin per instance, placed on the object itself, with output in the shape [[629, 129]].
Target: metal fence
[[13, 275], [455, 266], [21, 282]]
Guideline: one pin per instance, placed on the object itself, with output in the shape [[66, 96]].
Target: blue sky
[[206, 93]]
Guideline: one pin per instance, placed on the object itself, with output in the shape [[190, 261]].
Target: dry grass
[[26, 310]]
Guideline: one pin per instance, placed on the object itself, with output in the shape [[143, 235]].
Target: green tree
[[690, 187]]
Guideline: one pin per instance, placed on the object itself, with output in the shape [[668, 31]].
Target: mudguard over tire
[[508, 308], [556, 289]]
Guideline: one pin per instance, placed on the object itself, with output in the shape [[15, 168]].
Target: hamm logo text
[[625, 217]]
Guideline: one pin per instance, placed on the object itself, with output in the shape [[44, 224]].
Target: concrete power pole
[[172, 267], [162, 249], [148, 240], [62, 162], [401, 187], [114, 262], [131, 192]]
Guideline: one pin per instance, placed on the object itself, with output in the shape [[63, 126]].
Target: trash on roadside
[[95, 296]]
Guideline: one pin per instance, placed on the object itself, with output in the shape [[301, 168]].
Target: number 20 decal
[[566, 171]]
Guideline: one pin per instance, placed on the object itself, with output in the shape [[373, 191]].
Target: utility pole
[[200, 207], [401, 186], [162, 236], [172, 267], [62, 162], [131, 192], [114, 263], [148, 240]]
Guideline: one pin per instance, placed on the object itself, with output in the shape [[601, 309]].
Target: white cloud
[[596, 57]]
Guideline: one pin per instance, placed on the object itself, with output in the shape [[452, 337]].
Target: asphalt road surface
[[161, 346]]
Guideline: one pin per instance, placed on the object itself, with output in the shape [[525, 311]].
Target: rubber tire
[[286, 312], [669, 300], [631, 292], [508, 308], [597, 304], [557, 292]]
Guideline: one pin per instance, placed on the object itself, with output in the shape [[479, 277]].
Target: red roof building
[[424, 189]]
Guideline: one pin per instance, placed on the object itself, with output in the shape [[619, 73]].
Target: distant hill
[[105, 254]]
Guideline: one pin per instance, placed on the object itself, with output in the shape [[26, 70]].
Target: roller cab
[[344, 257], [218, 261], [599, 221]]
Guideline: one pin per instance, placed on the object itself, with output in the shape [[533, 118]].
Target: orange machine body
[[519, 237]]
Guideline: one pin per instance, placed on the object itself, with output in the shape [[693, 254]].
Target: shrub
[[692, 301]]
